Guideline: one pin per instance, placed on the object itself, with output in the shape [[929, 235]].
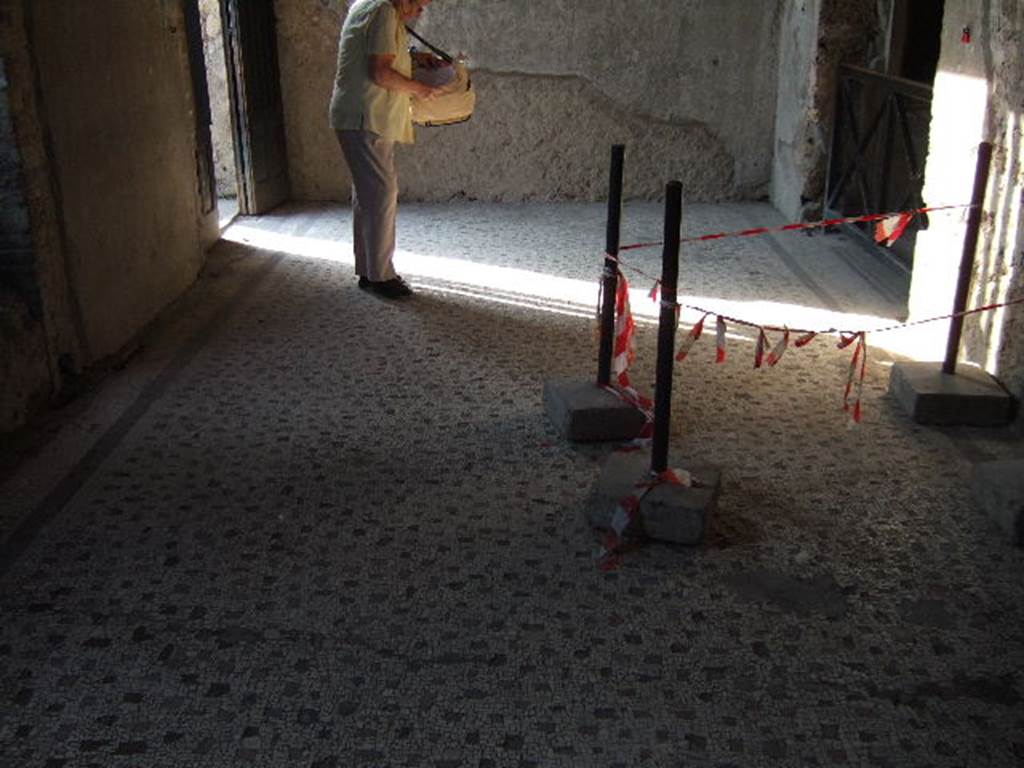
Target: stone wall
[[688, 85], [40, 314], [17, 265], [105, 133], [24, 375], [977, 97], [220, 105], [123, 137], [996, 340], [817, 36], [1001, 272], [307, 33]]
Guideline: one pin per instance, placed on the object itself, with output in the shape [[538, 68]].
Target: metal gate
[[879, 146]]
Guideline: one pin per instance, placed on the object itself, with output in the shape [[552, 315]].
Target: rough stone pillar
[[216, 79], [976, 97], [816, 37]]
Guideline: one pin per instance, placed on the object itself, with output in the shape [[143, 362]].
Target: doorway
[[883, 120], [915, 39], [242, 155], [225, 168]]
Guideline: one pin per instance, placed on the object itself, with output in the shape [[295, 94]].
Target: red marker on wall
[[965, 35]]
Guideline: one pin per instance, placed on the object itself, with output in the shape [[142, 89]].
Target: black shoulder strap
[[441, 54]]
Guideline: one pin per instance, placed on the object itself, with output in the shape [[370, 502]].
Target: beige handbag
[[457, 99]]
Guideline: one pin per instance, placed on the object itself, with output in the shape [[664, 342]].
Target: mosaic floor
[[306, 526]]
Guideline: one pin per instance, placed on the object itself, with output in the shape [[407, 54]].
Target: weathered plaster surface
[[817, 36], [977, 98], [997, 341], [24, 375], [307, 33], [801, 139], [220, 105], [681, 79], [122, 128], [102, 111], [33, 339], [543, 160]]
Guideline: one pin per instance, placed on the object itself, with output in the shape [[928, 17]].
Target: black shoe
[[364, 283], [404, 285], [395, 288]]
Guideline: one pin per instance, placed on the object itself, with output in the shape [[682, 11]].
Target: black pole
[[610, 280], [963, 284], [667, 326]]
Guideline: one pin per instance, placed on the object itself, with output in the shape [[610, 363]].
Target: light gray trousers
[[371, 160]]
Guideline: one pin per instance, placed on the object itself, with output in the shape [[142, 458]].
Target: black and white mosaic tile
[[334, 531]]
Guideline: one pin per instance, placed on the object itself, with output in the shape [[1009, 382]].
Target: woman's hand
[[383, 73], [426, 92], [428, 60]]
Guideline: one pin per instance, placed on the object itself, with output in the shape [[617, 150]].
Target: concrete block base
[[585, 412], [969, 397], [998, 488], [667, 512]]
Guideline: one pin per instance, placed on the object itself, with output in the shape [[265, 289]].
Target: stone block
[[679, 514], [671, 513], [969, 397], [585, 412], [998, 488]]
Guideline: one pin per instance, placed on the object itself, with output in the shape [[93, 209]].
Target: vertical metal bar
[[667, 326], [967, 258], [831, 191], [610, 279], [888, 140]]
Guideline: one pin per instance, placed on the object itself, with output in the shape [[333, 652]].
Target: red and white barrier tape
[[625, 529], [624, 353], [626, 326], [858, 363], [891, 227]]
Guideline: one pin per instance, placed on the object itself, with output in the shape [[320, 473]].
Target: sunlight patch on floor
[[575, 297]]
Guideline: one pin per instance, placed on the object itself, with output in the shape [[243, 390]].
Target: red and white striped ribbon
[[623, 355], [762, 344], [691, 338], [625, 526], [898, 219], [779, 350], [623, 351], [855, 377], [891, 228]]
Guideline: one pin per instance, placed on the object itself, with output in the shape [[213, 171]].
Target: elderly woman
[[370, 112]]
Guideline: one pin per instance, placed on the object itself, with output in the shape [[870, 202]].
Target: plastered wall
[[978, 96], [816, 36], [122, 130], [1000, 275], [24, 374], [103, 115], [40, 315], [220, 107], [307, 33], [688, 85]]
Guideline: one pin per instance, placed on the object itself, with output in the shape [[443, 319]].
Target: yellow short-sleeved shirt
[[357, 103]]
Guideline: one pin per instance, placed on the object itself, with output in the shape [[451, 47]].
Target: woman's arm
[[386, 76], [428, 60]]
